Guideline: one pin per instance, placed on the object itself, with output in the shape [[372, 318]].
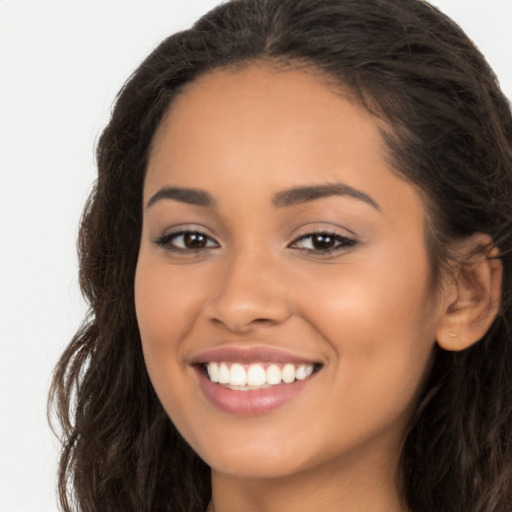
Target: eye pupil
[[194, 240], [323, 241]]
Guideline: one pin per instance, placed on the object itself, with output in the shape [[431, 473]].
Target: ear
[[471, 296]]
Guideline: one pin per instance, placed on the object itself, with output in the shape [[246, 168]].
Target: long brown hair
[[451, 135]]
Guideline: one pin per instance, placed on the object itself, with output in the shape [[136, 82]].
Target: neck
[[354, 485]]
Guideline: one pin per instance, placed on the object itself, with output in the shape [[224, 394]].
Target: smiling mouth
[[250, 377]]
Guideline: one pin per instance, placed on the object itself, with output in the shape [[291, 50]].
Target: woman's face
[[279, 249]]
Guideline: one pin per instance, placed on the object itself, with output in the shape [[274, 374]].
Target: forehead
[[266, 110], [267, 94], [260, 130], [287, 88]]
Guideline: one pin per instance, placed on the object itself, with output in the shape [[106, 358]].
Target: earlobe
[[472, 298]]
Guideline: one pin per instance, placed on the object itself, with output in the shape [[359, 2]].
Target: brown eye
[[194, 240], [186, 241], [323, 243]]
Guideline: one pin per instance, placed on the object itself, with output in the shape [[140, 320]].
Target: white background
[[61, 64]]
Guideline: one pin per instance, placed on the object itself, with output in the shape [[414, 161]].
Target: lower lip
[[250, 403]]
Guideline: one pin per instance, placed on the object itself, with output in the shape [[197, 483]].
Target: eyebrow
[[285, 198], [183, 195], [311, 193]]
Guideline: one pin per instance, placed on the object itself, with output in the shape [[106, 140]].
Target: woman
[[297, 257]]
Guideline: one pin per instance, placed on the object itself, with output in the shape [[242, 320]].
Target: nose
[[249, 293]]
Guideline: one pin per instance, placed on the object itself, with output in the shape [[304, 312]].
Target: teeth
[[224, 374], [288, 373], [273, 375], [303, 371], [255, 376], [237, 375], [213, 372]]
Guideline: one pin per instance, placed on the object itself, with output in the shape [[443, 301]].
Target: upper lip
[[249, 355]]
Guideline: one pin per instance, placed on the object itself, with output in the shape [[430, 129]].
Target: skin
[[365, 311]]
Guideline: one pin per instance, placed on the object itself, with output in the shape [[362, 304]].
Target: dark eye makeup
[[186, 241], [194, 241], [323, 242]]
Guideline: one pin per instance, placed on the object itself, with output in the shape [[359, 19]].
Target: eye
[[323, 242], [186, 241]]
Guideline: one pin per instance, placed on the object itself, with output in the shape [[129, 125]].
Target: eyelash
[[166, 241], [341, 243]]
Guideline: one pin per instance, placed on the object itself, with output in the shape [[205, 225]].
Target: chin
[[258, 466], [252, 456]]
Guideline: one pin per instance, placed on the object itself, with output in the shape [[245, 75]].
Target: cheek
[[164, 302], [380, 327], [387, 296]]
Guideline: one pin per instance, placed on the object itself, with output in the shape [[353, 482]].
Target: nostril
[[243, 321], [262, 321], [242, 303]]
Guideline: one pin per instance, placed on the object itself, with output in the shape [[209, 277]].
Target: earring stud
[[452, 337]]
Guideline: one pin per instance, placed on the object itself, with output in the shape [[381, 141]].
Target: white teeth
[[303, 371], [213, 372], [255, 376], [237, 375], [223, 374], [273, 375], [300, 373], [288, 373]]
